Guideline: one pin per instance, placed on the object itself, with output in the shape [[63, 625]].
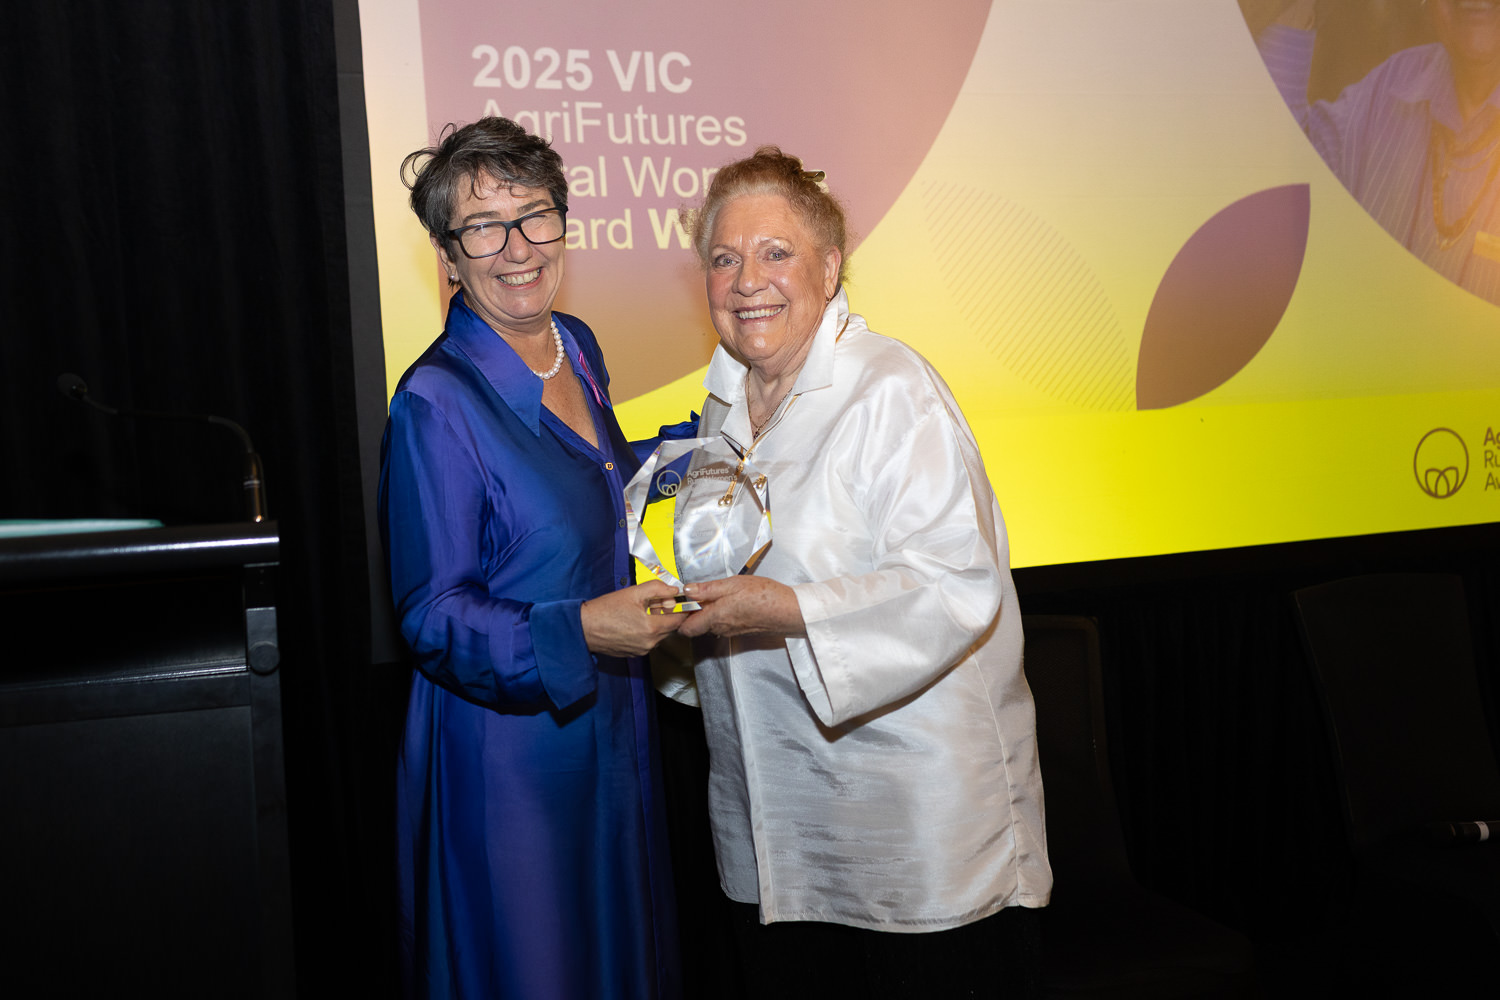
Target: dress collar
[[726, 375], [500, 365], [1433, 83]]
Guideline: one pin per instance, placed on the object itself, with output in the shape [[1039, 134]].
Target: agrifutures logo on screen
[[1441, 462]]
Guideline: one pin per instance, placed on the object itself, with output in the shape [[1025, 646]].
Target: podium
[[142, 795]]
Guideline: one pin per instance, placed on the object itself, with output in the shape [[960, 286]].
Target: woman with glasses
[[532, 852]]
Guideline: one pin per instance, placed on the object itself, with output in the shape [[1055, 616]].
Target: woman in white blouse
[[873, 788]]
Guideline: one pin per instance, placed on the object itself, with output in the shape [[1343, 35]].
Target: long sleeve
[[1373, 136], [1288, 54], [440, 522], [531, 841], [936, 582], [879, 771], [667, 432]]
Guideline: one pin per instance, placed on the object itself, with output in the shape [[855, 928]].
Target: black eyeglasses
[[485, 239]]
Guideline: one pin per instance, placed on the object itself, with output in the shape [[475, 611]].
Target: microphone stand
[[253, 478]]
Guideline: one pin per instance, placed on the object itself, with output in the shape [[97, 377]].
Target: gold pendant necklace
[[755, 429], [1442, 155], [734, 480], [760, 481]]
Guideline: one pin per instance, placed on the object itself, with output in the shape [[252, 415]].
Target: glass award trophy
[[723, 518]]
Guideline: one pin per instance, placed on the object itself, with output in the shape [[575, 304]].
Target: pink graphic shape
[[856, 90], [1222, 297]]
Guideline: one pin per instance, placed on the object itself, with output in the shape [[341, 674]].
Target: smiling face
[[1470, 31], [512, 290], [768, 281]]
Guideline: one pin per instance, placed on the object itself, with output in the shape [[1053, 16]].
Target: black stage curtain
[[175, 234], [1222, 763]]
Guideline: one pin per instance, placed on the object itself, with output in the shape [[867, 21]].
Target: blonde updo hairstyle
[[770, 171]]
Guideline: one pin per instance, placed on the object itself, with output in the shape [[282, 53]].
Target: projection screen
[[1173, 304]]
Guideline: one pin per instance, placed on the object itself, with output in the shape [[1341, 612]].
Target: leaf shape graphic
[[1222, 296]]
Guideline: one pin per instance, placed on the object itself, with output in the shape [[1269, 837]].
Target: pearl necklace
[[556, 365]]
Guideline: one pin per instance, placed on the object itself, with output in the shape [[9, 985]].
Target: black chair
[[1393, 657], [1104, 934]]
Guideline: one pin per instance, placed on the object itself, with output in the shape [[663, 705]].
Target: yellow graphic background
[[1091, 139]]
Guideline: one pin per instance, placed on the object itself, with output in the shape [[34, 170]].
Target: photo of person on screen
[[1416, 140]]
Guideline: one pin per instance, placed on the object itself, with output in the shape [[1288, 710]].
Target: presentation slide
[[1203, 274]]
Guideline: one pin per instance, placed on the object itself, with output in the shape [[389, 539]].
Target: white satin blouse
[[881, 772]]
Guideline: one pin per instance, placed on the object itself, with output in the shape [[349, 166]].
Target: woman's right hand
[[623, 624]]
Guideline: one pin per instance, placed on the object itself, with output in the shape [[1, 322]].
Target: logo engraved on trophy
[[668, 483], [722, 523]]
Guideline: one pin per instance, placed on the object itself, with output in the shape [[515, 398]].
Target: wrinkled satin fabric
[[532, 855], [882, 771]]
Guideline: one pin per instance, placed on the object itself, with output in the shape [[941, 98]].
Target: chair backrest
[[1084, 836], [1393, 658]]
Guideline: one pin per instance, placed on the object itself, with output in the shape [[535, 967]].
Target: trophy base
[[675, 608]]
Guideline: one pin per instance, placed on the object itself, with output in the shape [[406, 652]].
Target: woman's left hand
[[741, 605]]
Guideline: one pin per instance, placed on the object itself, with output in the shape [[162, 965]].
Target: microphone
[[253, 480], [73, 387], [1462, 832]]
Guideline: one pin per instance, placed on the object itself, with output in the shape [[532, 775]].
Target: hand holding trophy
[[723, 518]]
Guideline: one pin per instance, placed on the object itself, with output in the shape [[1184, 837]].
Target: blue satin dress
[[532, 847]]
